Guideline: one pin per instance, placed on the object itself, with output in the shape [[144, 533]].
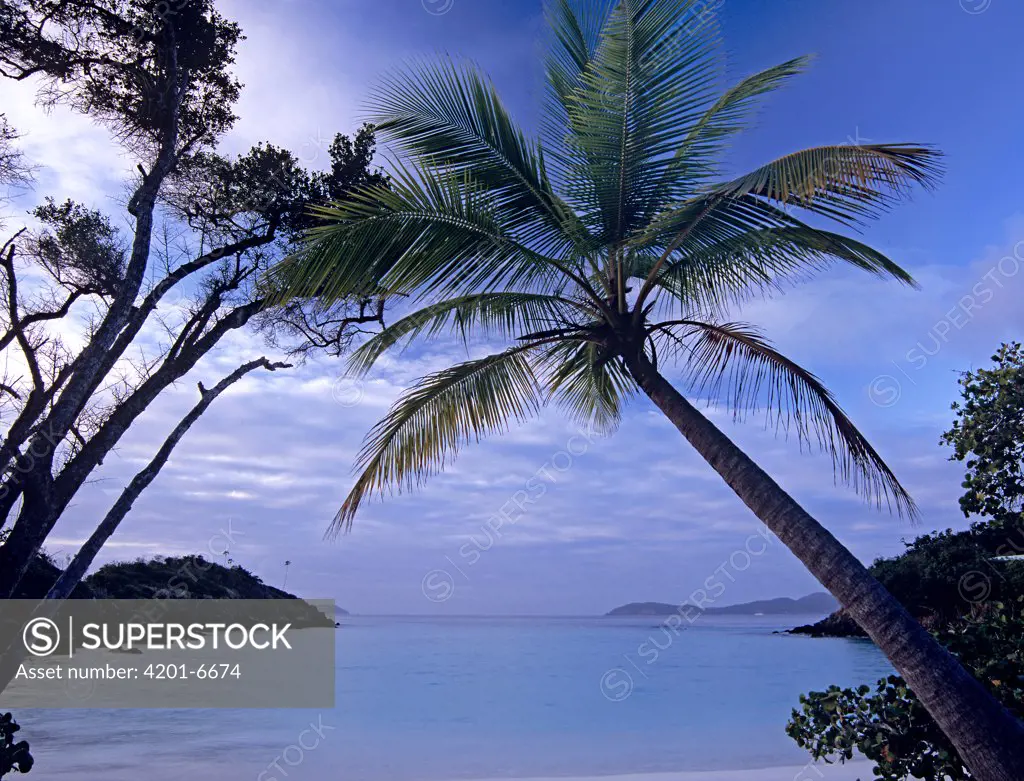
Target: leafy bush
[[888, 724]]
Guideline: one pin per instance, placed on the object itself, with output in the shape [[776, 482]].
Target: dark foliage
[[14, 171], [78, 247], [179, 577], [138, 66], [14, 756], [988, 435], [221, 197], [40, 577], [193, 577], [942, 576]]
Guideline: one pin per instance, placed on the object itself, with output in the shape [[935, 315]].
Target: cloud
[[849, 318], [75, 158], [634, 516]]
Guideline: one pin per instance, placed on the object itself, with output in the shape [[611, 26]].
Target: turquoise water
[[432, 698]]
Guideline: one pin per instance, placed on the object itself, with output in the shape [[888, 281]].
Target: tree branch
[[7, 260], [106, 437], [38, 317], [80, 564]]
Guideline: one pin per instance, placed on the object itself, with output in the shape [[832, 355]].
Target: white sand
[[852, 771]]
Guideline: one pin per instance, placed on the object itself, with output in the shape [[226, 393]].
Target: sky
[[636, 516]]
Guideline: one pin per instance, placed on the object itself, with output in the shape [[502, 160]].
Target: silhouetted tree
[[204, 226]]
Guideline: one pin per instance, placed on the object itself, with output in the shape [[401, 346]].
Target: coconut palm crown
[[615, 245], [612, 238]]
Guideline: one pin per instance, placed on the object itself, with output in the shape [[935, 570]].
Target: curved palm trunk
[[988, 737]]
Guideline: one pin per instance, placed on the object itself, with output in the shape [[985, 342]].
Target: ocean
[[430, 699]]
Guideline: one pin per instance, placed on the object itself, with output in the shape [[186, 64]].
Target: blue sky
[[638, 516]]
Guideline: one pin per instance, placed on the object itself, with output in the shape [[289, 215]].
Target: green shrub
[[888, 724]]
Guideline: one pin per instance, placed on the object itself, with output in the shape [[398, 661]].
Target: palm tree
[[614, 246], [286, 565]]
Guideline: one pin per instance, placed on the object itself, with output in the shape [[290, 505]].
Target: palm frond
[[587, 385], [437, 236], [574, 33], [734, 364], [713, 252], [698, 156], [448, 117], [848, 184], [768, 260], [503, 315], [574, 30], [652, 75], [425, 428]]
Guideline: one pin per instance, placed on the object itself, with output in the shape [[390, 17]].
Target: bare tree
[[205, 227]]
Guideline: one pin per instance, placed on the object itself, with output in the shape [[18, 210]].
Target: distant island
[[165, 577], [819, 603]]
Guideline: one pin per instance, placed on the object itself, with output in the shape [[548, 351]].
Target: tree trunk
[[20, 548], [987, 736]]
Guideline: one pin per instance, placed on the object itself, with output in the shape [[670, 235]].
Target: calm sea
[[426, 699]]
